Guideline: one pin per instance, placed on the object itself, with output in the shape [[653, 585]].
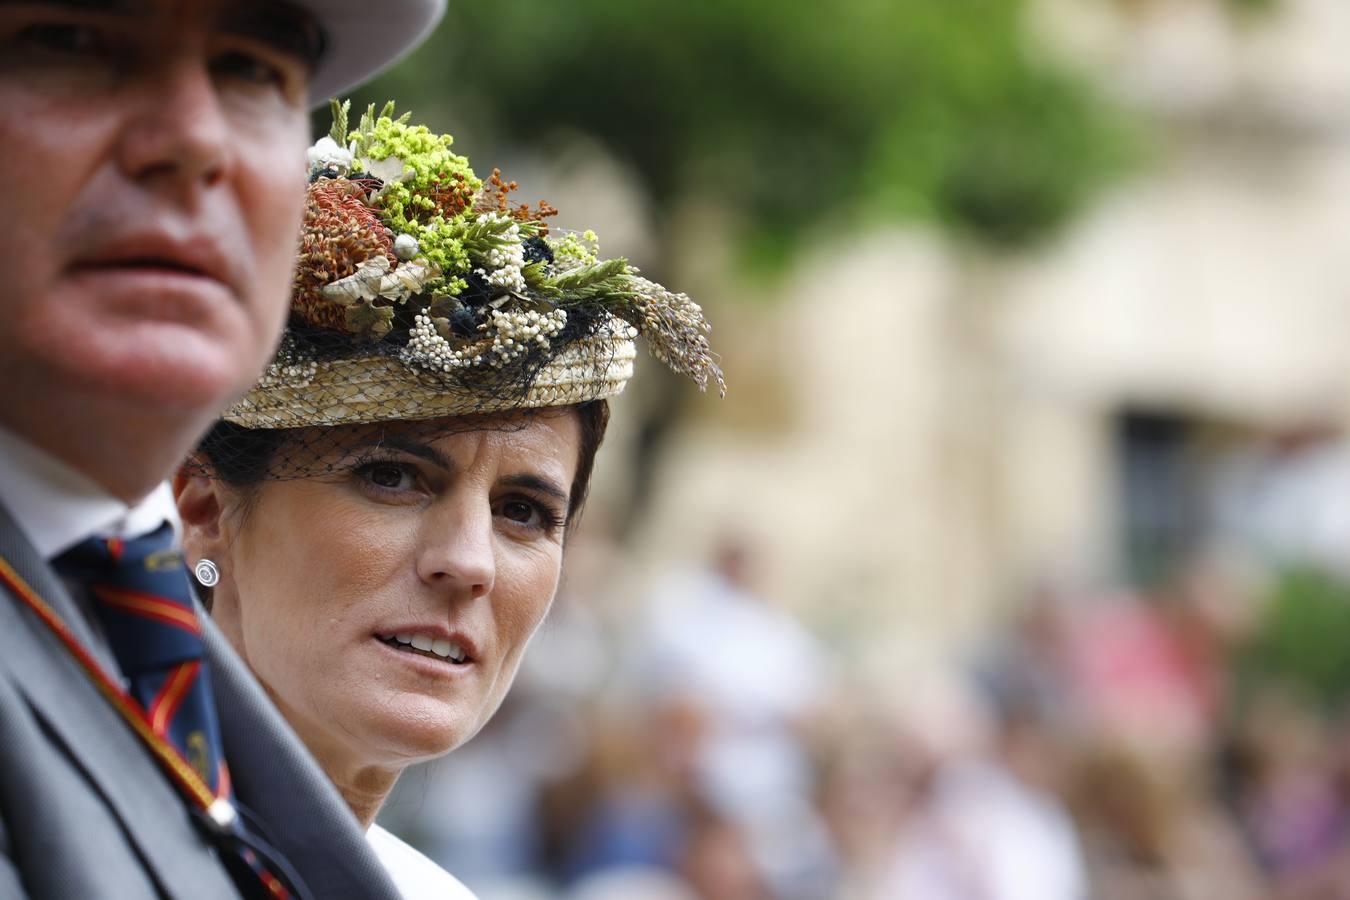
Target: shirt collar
[[57, 507]]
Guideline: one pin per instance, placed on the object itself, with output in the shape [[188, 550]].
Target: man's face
[[152, 156]]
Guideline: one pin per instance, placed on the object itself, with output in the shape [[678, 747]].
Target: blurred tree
[[1302, 642], [791, 114], [1238, 7], [798, 119]]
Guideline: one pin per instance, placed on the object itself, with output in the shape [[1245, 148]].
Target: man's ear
[[202, 505]]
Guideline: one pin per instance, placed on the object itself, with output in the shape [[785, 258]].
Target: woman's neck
[[363, 784], [363, 787]]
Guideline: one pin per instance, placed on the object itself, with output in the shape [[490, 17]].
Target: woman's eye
[[388, 475], [520, 511], [529, 514]]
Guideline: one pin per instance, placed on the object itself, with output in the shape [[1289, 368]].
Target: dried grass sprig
[[676, 331]]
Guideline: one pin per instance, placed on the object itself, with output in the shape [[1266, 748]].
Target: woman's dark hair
[[593, 417], [244, 457]]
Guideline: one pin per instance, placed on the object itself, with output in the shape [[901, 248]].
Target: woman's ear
[[202, 504]]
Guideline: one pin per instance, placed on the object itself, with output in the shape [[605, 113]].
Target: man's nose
[[178, 133]]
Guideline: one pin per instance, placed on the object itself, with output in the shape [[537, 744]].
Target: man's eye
[[64, 38], [248, 68]]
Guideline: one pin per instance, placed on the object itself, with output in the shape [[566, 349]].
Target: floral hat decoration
[[422, 291]]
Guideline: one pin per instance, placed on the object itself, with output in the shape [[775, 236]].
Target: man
[[152, 153]]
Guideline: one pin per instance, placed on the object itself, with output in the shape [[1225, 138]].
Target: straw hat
[[381, 389], [424, 292]]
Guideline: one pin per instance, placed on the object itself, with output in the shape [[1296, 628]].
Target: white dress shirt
[[57, 507], [415, 876]]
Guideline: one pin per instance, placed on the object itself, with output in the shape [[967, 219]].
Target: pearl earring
[[208, 574]]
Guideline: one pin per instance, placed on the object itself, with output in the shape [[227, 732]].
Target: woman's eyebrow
[[415, 448], [537, 483]]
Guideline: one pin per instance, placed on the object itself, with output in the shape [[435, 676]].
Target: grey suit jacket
[[86, 812]]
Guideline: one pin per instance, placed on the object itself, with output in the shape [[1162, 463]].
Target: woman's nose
[[458, 551]]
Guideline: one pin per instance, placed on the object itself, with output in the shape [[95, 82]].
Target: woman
[[380, 521]]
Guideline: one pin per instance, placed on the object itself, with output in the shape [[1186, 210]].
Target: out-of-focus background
[[1016, 562]]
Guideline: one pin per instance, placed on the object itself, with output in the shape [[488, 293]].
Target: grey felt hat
[[364, 38]]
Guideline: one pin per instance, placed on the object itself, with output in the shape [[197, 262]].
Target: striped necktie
[[143, 600], [140, 593]]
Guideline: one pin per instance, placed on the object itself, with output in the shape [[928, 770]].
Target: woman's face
[[385, 607]]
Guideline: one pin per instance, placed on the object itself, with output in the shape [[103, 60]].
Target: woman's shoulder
[[415, 876]]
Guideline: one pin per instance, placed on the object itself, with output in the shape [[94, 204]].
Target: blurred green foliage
[[1253, 6], [1304, 641], [793, 115]]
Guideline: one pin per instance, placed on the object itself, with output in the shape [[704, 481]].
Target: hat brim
[[365, 38], [363, 390]]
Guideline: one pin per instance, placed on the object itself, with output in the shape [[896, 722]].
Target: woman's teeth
[[439, 647]]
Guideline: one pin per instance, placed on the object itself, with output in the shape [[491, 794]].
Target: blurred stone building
[[918, 432]]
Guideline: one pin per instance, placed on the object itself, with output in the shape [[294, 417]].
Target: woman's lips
[[424, 661], [439, 647]]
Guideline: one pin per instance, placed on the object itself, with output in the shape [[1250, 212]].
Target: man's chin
[[124, 420], [179, 372]]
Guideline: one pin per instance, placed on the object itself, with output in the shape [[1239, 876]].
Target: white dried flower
[[328, 154], [389, 169], [374, 278]]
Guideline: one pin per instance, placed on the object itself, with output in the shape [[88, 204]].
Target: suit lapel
[[277, 780], [92, 733], [274, 775], [33, 569]]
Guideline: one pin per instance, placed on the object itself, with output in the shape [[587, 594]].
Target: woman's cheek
[[534, 581], [524, 614]]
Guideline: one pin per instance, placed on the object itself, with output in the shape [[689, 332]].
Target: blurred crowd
[[1184, 739]]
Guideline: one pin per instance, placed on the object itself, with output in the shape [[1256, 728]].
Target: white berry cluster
[[514, 331], [426, 348], [505, 261], [289, 375], [406, 247]]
